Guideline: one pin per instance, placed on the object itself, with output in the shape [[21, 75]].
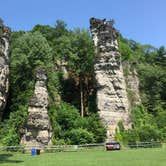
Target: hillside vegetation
[[72, 94]]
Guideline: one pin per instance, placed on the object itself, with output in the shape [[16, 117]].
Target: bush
[[118, 137], [73, 129], [94, 125], [11, 139], [149, 133], [131, 136], [80, 136], [11, 127], [66, 116], [58, 141], [143, 130]]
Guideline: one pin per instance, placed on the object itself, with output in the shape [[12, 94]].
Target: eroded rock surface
[[38, 129], [112, 101], [132, 81], [4, 66]]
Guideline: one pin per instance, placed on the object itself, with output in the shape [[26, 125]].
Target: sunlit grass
[[133, 157]]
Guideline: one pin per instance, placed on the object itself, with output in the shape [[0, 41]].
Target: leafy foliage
[[80, 136], [1, 25], [28, 51], [149, 118], [51, 48], [71, 128], [153, 76]]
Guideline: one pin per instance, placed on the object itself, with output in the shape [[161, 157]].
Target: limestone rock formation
[[112, 101], [38, 129], [4, 66], [132, 81]]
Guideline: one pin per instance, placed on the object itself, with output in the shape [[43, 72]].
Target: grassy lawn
[[134, 157]]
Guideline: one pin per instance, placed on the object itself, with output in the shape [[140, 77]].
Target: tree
[[152, 86], [126, 52], [81, 60], [29, 51], [1, 22], [1, 25], [76, 49], [52, 33], [161, 56], [60, 28]]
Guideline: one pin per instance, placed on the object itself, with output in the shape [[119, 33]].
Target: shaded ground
[[5, 158]]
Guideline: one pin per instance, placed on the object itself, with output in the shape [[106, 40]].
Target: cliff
[[4, 66], [132, 82], [112, 100], [109, 79]]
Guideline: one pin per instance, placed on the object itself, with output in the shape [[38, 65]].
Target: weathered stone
[[38, 129], [112, 101], [132, 82], [4, 66]]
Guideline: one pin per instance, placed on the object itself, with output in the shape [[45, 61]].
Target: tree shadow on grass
[[4, 158]]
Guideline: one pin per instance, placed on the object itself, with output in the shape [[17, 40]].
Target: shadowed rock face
[[38, 130], [112, 101], [132, 82], [4, 66]]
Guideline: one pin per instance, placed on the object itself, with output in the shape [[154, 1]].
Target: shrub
[[80, 136], [66, 116], [11, 139], [149, 133], [96, 127]]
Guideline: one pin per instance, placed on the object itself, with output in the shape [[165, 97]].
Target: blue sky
[[141, 20]]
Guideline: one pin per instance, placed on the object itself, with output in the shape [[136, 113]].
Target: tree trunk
[[81, 98]]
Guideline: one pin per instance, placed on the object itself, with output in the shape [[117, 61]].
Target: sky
[[141, 20]]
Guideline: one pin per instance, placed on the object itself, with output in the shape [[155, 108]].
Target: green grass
[[133, 157]]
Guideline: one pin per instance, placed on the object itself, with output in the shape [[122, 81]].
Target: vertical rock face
[[112, 101], [4, 66], [132, 82], [38, 129]]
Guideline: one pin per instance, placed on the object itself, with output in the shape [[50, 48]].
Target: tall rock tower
[[38, 129], [4, 66], [112, 101]]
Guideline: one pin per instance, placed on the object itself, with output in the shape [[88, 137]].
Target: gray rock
[[4, 66], [112, 101], [132, 81], [38, 129]]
